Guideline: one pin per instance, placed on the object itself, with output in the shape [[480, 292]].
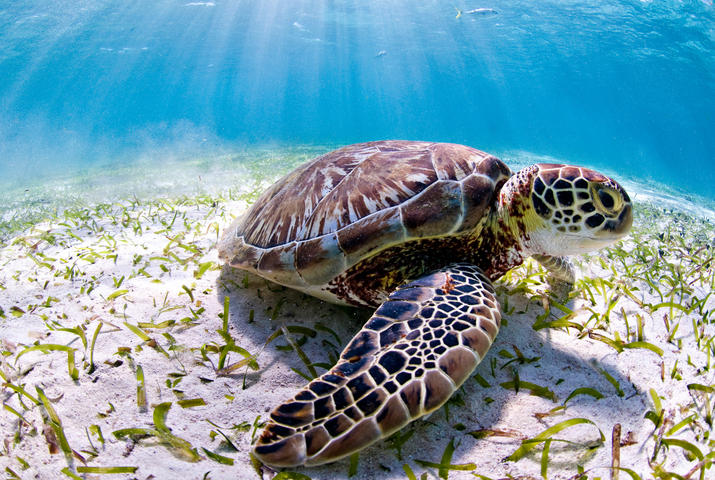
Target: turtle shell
[[348, 205]]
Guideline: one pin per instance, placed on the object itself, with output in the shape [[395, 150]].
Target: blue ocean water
[[628, 85]]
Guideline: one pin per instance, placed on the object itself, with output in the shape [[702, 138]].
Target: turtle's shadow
[[482, 407], [258, 308]]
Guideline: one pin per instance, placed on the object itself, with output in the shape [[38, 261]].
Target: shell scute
[[235, 251], [279, 262], [379, 182], [319, 259], [358, 239], [435, 211], [280, 213], [452, 161], [478, 193]]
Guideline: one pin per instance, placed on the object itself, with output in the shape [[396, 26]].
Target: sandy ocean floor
[[118, 360]]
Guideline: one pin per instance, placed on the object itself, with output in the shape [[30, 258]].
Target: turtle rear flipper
[[408, 359]]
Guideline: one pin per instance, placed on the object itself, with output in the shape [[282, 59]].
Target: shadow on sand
[[472, 408]]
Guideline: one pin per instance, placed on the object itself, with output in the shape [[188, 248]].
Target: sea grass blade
[[141, 389], [218, 458], [56, 424], [584, 391], [530, 444], [106, 470]]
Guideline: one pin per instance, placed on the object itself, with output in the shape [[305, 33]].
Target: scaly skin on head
[[549, 210]]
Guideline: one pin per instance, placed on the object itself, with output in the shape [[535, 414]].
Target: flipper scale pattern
[[408, 359]]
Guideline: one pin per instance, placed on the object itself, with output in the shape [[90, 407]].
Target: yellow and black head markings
[[418, 230], [579, 200]]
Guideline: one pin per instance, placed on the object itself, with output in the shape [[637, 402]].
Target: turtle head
[[566, 210]]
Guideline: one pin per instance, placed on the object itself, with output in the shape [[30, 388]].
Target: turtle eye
[[607, 198]]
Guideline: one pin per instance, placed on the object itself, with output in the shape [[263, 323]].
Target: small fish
[[381, 53], [476, 11], [482, 11]]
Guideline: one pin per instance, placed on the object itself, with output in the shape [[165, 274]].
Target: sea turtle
[[418, 230]]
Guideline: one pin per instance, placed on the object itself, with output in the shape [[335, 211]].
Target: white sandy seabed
[[136, 286]]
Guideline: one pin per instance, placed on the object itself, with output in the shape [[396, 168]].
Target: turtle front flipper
[[560, 268], [409, 358]]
